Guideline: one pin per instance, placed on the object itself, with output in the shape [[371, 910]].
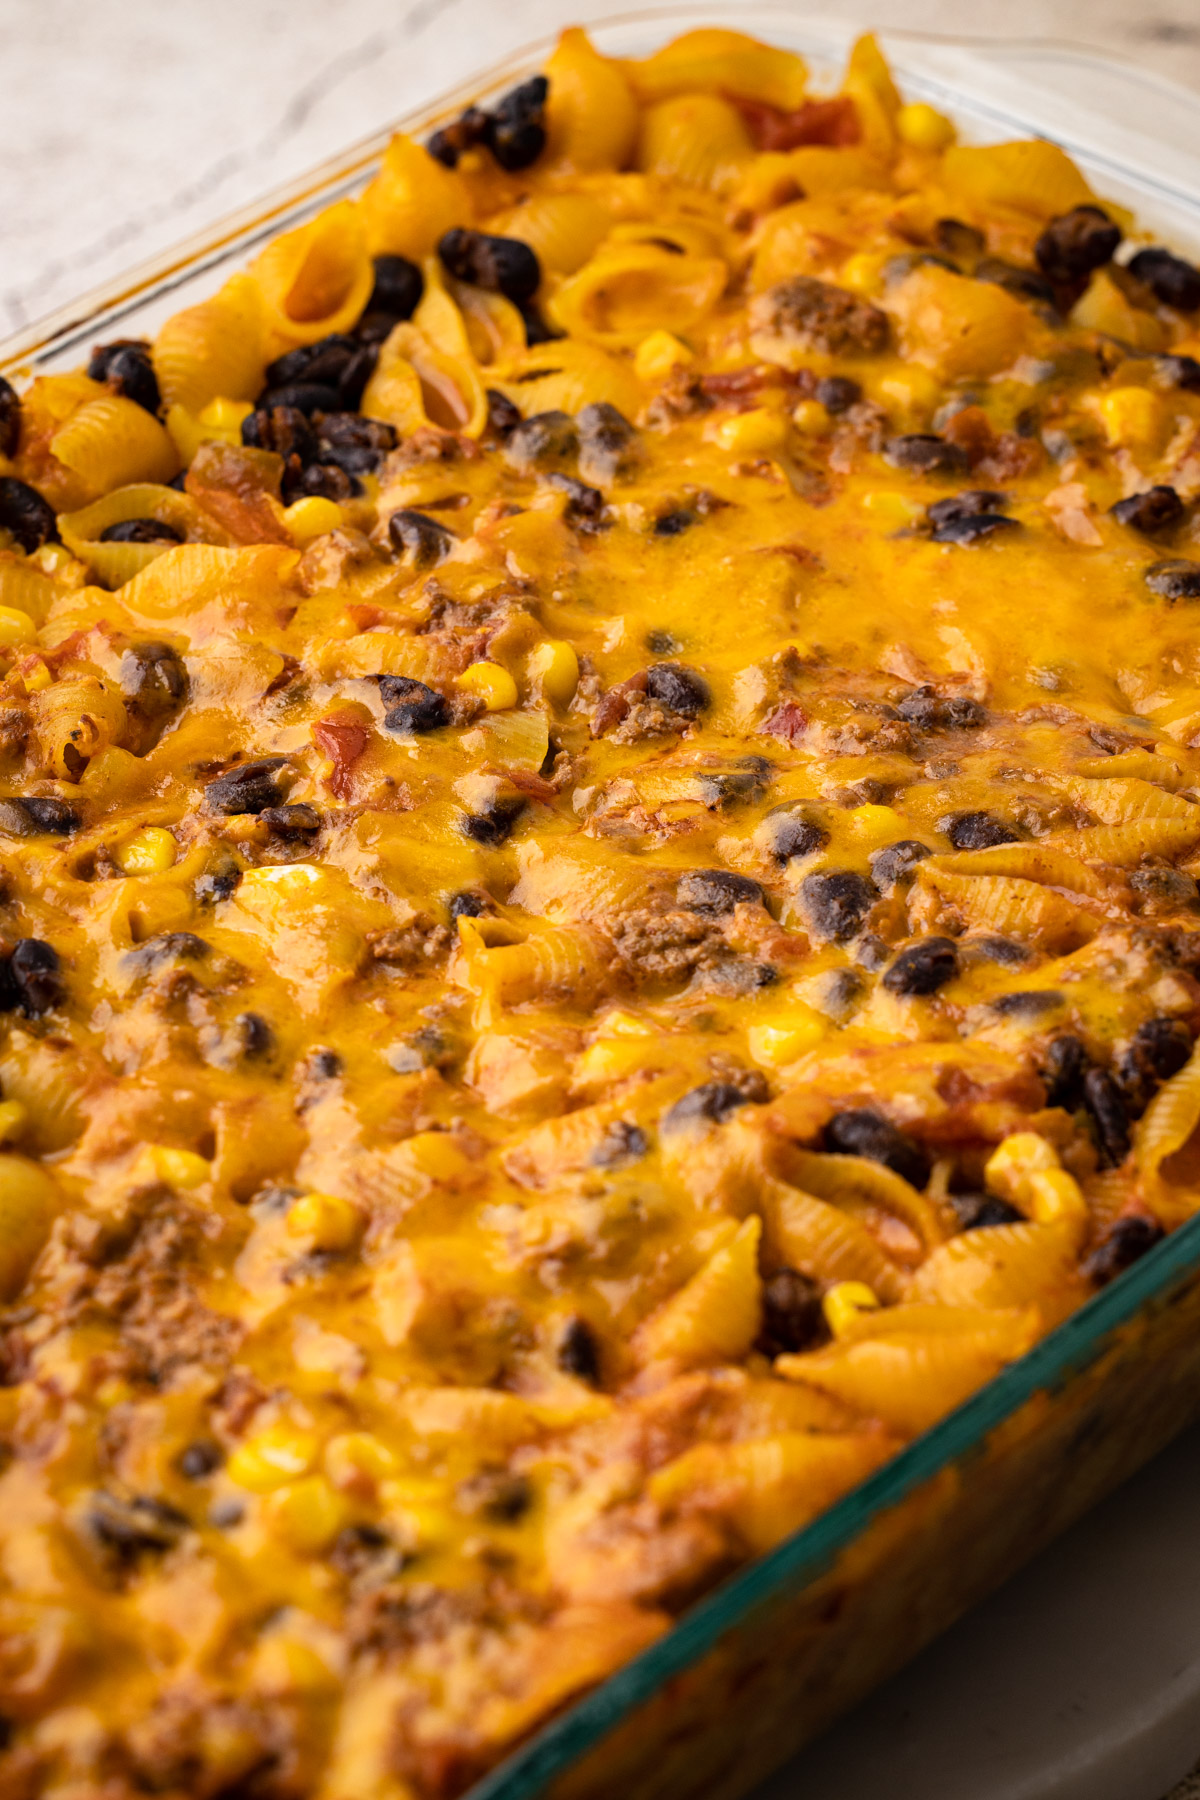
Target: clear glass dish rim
[[1073, 1345]]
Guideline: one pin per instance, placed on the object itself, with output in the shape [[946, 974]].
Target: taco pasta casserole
[[599, 822]]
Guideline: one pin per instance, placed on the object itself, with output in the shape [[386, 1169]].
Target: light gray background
[[127, 125]]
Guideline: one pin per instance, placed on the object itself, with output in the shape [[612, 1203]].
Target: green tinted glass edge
[[1071, 1347]]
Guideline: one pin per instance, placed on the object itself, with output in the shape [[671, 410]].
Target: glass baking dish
[[771, 1657]]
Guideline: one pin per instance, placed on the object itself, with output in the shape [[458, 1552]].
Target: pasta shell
[[412, 201], [553, 965], [820, 1240], [909, 1382], [835, 1177], [956, 326], [1005, 1266], [113, 441], [868, 82], [1030, 862], [716, 1316], [698, 139], [112, 564], [1163, 1149], [591, 114], [494, 329], [561, 229], [1006, 905], [75, 719], [314, 280], [417, 384], [1030, 175], [712, 61], [190, 577], [568, 376], [24, 587], [626, 291], [214, 349]]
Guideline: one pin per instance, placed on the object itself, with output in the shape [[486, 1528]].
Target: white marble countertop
[[125, 129]]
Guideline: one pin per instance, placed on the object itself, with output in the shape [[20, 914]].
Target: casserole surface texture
[[598, 791]]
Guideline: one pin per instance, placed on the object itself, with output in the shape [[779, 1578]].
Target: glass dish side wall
[[770, 1659]]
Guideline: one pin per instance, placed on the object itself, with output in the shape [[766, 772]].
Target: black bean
[[1064, 1066], [679, 689], [578, 1353], [499, 264], [127, 368], [584, 504], [1028, 1003], [324, 1065], [1157, 509], [366, 1557], [218, 881], [469, 906], [283, 429], [306, 396], [1178, 372], [23, 512], [837, 393], [622, 1142], [1158, 1050], [10, 418], [1126, 1241], [923, 968], [1170, 279], [199, 1459], [792, 1315], [38, 816], [931, 711], [605, 437], [673, 523], [1075, 243], [250, 788], [154, 681], [141, 531], [711, 1104], [495, 1494], [976, 831], [326, 481], [131, 1529], [862, 1132], [976, 1212], [469, 129], [255, 1037], [292, 823], [167, 947], [412, 708], [1174, 579], [924, 454], [1001, 950], [493, 824], [896, 862], [416, 535], [1024, 284], [339, 363], [30, 979], [1110, 1120], [968, 504], [836, 903], [716, 891], [973, 530], [662, 643], [957, 239], [398, 287], [537, 330], [899, 267], [731, 786], [502, 416], [542, 439], [516, 130]]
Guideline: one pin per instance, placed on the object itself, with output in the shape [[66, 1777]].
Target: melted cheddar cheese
[[599, 812]]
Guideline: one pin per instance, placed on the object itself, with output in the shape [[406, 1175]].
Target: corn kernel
[[148, 852], [863, 273], [788, 1039], [844, 1302], [312, 518], [1012, 1163], [1053, 1195], [874, 825], [16, 627], [180, 1168], [922, 127], [491, 684], [658, 354], [1134, 417], [13, 1119], [895, 512], [357, 1459], [555, 666], [325, 1220], [810, 418], [52, 559], [225, 416], [273, 1456], [755, 433], [620, 1023], [309, 1513], [913, 390]]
